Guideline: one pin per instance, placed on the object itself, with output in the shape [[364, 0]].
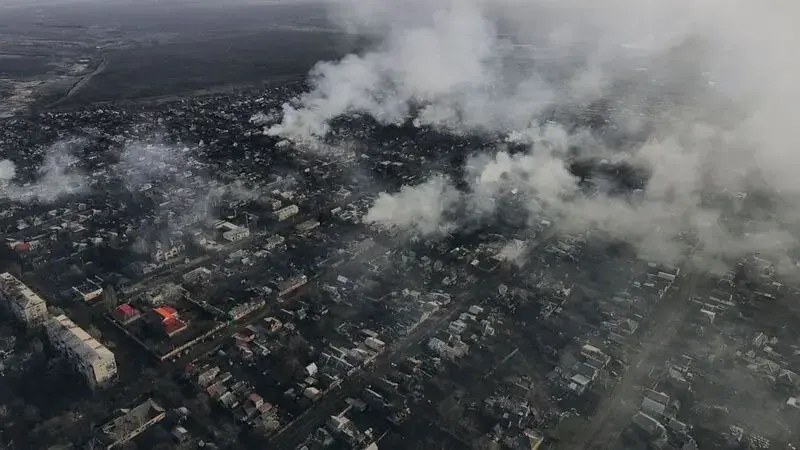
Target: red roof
[[264, 407], [126, 309], [166, 312], [172, 326], [244, 336], [22, 247]]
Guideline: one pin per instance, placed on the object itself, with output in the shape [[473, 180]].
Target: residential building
[[166, 318], [92, 359], [164, 253], [125, 314], [287, 212], [274, 242], [198, 277], [117, 432], [21, 301], [308, 225], [292, 284], [88, 291], [231, 232]]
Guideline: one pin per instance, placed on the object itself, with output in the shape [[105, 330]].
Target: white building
[[237, 234], [291, 285], [457, 326], [163, 253], [475, 310], [116, 433], [88, 291], [287, 212], [274, 242], [21, 301], [90, 357], [231, 232], [308, 225], [443, 349], [375, 344]]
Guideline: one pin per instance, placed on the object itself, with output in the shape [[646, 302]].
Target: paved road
[[175, 272], [82, 82], [36, 230], [660, 328], [204, 348], [295, 433]]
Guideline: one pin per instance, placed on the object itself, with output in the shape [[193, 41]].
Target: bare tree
[[94, 332], [228, 432], [201, 404], [451, 410], [109, 297], [37, 346], [31, 413], [298, 344], [568, 429], [15, 268], [268, 424], [292, 366], [484, 443]]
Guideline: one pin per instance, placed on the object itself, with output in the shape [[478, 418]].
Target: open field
[[75, 53], [181, 67]]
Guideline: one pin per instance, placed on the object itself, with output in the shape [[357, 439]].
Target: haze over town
[[362, 224]]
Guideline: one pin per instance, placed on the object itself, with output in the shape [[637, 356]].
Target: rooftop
[[166, 312], [125, 427], [77, 339], [22, 294]]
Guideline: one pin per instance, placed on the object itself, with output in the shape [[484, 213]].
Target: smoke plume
[[141, 164], [514, 251], [179, 171], [420, 208], [56, 177], [7, 170], [698, 95]]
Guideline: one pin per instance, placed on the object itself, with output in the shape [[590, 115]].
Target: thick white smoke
[[451, 63], [514, 251], [455, 60], [7, 170], [421, 208], [712, 82], [58, 175], [141, 164], [176, 169]]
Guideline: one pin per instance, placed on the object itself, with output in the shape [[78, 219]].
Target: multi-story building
[[292, 284], [164, 253], [21, 301], [287, 212], [236, 234], [91, 358], [308, 225], [117, 432]]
